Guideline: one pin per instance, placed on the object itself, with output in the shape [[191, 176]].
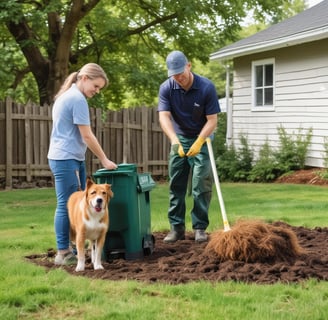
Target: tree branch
[[86, 49], [158, 20], [77, 12], [55, 26], [19, 75], [27, 42]]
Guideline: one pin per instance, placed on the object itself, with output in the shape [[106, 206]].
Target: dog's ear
[[109, 191], [90, 178], [89, 183]]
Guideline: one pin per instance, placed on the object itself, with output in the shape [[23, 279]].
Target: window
[[263, 85]]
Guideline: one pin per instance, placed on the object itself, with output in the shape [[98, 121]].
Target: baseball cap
[[176, 62]]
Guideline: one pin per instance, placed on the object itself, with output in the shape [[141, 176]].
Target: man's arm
[[205, 132], [209, 126], [167, 126]]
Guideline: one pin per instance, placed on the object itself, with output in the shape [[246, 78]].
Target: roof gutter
[[299, 38]]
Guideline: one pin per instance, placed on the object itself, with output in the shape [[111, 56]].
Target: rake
[[217, 185]]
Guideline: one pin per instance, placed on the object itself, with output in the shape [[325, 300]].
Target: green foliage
[[129, 38], [245, 157], [239, 165], [235, 165], [292, 151], [219, 142], [266, 167], [227, 164]]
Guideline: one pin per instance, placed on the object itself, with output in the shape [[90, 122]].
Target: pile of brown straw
[[255, 241]]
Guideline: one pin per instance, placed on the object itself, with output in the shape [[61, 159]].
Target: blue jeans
[[202, 181], [66, 173]]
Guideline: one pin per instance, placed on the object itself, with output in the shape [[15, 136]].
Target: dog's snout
[[99, 200]]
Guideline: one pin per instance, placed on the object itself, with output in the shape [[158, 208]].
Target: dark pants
[[202, 180]]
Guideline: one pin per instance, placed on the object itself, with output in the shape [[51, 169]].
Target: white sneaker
[[65, 259]]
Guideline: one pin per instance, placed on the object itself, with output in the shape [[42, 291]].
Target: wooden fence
[[127, 136]]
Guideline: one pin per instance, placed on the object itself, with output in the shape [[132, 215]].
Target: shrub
[[219, 142], [291, 154], [245, 158], [235, 165], [227, 164], [266, 167], [238, 165]]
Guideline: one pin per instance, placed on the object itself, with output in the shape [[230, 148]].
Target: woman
[[71, 136]]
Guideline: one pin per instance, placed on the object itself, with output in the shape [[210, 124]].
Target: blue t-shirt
[[69, 110], [188, 108]]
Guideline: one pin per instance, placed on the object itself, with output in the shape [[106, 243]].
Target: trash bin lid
[[145, 182], [123, 168]]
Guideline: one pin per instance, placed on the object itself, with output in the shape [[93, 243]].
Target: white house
[[280, 79]]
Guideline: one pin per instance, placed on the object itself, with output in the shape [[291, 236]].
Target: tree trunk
[[51, 71]]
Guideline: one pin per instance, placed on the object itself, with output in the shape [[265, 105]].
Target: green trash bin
[[129, 234]]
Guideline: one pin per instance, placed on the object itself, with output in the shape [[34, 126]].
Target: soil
[[186, 260], [312, 176]]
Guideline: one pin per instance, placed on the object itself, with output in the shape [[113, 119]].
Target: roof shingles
[[313, 20]]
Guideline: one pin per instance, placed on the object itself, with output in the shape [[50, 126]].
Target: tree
[[128, 38]]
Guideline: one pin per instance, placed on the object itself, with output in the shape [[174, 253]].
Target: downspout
[[229, 108]]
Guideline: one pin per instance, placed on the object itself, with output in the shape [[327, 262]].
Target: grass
[[30, 292]]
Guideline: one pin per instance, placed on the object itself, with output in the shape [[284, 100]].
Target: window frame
[[263, 107]]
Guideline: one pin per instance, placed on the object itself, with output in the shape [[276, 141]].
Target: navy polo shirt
[[188, 108]]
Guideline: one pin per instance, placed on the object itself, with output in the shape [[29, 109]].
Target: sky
[[313, 2]]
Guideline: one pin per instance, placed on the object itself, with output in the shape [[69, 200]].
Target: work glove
[[178, 149], [196, 146]]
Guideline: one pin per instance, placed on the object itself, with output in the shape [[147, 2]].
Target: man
[[188, 107]]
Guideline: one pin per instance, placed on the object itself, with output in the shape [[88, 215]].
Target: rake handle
[[217, 185]]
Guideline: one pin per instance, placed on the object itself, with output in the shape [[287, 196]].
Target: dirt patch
[[312, 176], [186, 261]]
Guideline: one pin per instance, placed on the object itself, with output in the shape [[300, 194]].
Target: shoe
[[176, 233], [66, 259], [174, 236], [200, 235]]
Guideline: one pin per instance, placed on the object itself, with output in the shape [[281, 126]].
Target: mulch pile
[[186, 261], [255, 241], [312, 176]]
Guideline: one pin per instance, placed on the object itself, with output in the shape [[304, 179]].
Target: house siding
[[301, 98]]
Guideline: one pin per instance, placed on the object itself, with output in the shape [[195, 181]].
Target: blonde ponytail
[[91, 70]]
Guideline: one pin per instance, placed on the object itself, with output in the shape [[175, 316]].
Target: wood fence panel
[[130, 135], [3, 136], [28, 146], [145, 135]]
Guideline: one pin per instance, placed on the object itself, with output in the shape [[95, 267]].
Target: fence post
[[28, 145], [126, 135], [9, 144], [145, 136]]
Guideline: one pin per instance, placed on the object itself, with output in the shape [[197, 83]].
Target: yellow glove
[[195, 148], [177, 148]]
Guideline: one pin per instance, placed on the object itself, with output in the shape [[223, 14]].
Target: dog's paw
[[98, 267], [79, 267]]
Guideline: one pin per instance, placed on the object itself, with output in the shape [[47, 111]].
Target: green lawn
[[30, 292]]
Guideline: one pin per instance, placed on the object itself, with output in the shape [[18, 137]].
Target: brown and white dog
[[89, 219]]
